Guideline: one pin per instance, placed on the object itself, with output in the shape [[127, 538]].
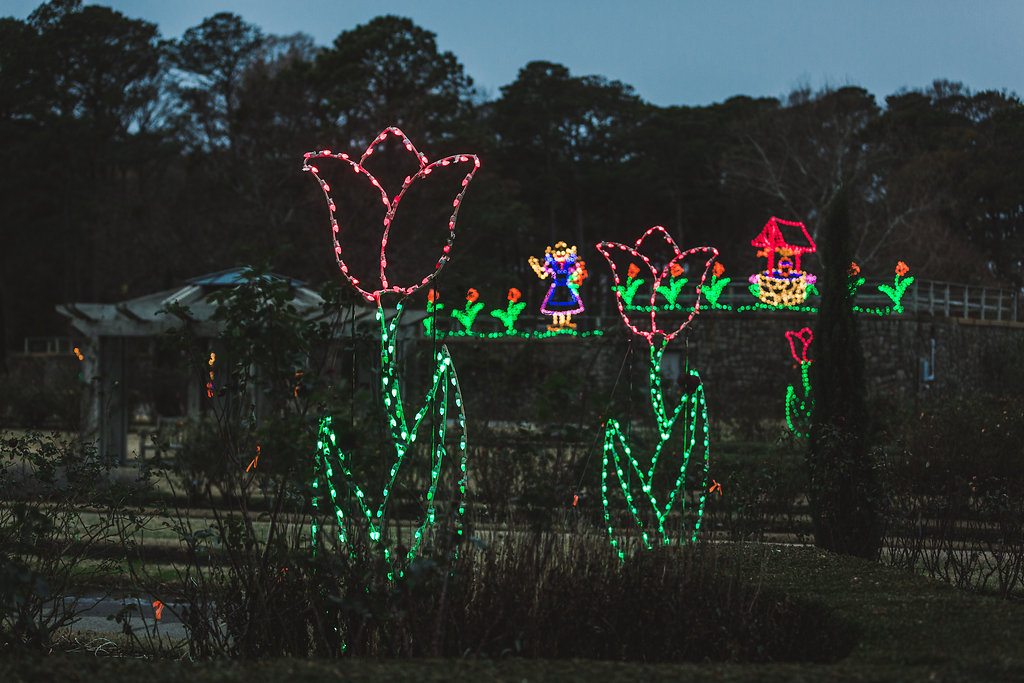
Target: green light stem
[[509, 316], [897, 291], [628, 291], [617, 450], [798, 408], [672, 290], [467, 316], [330, 456], [712, 290]]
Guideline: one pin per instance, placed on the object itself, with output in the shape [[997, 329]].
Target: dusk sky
[[673, 52]]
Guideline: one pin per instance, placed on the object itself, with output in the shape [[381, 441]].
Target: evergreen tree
[[843, 492]]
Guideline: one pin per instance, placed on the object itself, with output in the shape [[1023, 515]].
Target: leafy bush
[[40, 394], [955, 493], [762, 491], [530, 595], [61, 512], [555, 596]]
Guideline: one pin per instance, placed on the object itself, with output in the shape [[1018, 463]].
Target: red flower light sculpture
[[443, 400], [390, 207], [805, 337], [638, 260]]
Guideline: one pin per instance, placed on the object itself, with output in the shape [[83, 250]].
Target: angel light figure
[[567, 272]]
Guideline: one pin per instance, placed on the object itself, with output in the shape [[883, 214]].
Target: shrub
[[954, 503], [762, 491], [41, 393], [61, 514], [842, 492]]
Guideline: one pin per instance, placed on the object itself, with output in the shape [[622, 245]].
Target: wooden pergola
[[108, 326]]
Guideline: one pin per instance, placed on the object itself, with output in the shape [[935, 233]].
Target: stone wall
[[743, 358], [746, 356]]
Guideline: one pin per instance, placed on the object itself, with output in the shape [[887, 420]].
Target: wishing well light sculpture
[[567, 272], [350, 501], [782, 283], [650, 502]]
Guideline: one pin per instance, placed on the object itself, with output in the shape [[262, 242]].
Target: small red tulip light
[[805, 337]]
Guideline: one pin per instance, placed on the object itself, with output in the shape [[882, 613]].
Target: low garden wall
[[744, 360]]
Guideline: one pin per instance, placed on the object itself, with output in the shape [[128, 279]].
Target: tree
[[564, 139], [677, 176], [843, 492], [212, 59], [79, 87], [247, 110], [796, 153], [951, 172], [390, 72]]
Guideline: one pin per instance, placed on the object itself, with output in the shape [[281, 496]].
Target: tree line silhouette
[[131, 162]]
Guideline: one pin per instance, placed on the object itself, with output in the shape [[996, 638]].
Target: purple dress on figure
[[561, 297]]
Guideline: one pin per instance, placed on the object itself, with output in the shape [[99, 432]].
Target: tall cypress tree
[[844, 493]]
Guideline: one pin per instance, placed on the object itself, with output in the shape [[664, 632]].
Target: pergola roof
[[150, 315]]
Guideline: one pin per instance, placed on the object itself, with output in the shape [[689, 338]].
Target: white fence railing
[[48, 346], [965, 301]]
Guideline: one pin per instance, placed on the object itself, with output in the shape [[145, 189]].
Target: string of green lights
[[333, 462], [651, 521]]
